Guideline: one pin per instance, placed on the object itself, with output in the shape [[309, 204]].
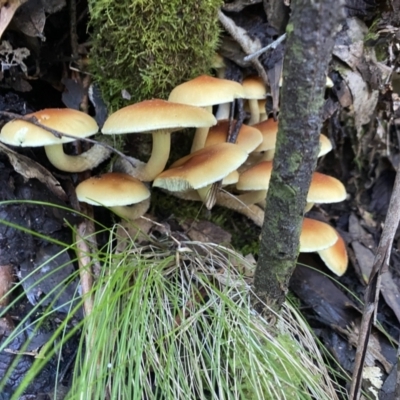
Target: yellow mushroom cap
[[112, 189], [335, 257], [268, 129], [325, 145], [205, 91], [325, 189], [231, 178], [152, 115], [316, 236], [64, 120], [254, 88], [201, 168], [256, 178], [248, 138]]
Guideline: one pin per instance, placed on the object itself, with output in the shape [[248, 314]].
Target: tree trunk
[[310, 38]]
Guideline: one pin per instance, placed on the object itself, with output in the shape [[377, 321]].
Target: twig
[[381, 263], [272, 45], [73, 30], [82, 252], [59, 135], [248, 45]]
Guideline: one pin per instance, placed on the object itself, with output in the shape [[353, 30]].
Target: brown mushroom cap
[[65, 120], [248, 138], [325, 189], [205, 91], [316, 236], [335, 257], [153, 115], [112, 189], [201, 168]]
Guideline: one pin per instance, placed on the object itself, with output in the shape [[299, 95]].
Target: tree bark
[[310, 39]]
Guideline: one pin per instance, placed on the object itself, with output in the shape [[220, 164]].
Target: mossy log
[[148, 47]]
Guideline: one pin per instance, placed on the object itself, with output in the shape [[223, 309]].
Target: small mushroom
[[248, 138], [125, 195], [205, 91], [335, 257], [254, 89], [64, 120], [316, 236], [201, 169], [325, 189]]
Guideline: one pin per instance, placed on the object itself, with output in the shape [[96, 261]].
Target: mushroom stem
[[223, 111], [252, 197], [268, 155], [203, 192], [159, 156], [254, 112], [200, 136], [87, 160], [132, 212], [253, 212], [146, 172]]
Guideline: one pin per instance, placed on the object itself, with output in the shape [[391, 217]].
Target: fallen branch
[[381, 263]]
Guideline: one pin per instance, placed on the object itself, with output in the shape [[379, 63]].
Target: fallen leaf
[[30, 169], [206, 231], [30, 19], [7, 11]]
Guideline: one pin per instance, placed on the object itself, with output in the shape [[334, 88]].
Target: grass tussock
[[173, 321]]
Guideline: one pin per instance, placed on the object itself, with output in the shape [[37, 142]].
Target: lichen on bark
[[147, 47], [309, 45]]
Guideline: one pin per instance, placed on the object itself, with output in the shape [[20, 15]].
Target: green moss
[[148, 47], [372, 34]]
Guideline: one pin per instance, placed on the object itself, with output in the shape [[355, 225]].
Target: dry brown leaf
[[206, 231], [30, 169]]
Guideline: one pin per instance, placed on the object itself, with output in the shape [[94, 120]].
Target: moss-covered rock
[[149, 46]]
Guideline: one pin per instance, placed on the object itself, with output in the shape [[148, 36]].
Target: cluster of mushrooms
[[243, 168]]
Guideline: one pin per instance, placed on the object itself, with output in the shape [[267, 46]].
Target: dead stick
[[84, 261], [381, 263]]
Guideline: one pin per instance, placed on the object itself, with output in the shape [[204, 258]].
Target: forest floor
[[361, 118]]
